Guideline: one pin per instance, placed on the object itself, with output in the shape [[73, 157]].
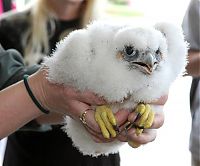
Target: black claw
[[132, 125], [128, 126], [116, 128], [137, 116], [140, 127]]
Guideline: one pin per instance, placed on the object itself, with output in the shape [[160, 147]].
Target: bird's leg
[[145, 117], [106, 121]]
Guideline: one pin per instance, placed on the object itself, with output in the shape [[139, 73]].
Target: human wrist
[[36, 89]]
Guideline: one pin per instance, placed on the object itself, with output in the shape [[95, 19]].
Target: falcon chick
[[128, 66]]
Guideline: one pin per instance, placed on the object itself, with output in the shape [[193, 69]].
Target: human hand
[[148, 135], [121, 117], [61, 99], [66, 100]]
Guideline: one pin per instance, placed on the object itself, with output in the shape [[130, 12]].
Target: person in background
[[191, 28], [34, 33]]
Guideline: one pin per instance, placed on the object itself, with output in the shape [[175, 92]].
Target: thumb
[[82, 110]]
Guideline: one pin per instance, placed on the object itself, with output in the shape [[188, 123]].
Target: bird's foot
[[106, 121], [133, 144], [145, 117]]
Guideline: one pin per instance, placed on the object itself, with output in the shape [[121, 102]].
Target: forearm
[[16, 109], [193, 67], [51, 119]]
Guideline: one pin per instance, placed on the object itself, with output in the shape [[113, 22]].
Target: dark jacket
[[12, 67]]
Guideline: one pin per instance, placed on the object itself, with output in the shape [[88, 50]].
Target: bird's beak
[[147, 64]]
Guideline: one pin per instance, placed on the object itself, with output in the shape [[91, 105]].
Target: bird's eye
[[158, 55], [129, 50], [130, 53]]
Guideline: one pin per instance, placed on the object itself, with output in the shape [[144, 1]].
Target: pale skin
[[66, 9], [13, 109]]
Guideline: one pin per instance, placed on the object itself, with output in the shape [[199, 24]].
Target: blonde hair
[[36, 38]]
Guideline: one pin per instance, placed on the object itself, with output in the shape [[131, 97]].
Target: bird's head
[[142, 49], [144, 60]]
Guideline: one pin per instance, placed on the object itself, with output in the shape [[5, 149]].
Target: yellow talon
[[102, 126], [106, 120], [150, 119], [111, 117], [108, 124], [140, 109], [133, 144], [146, 117], [138, 131]]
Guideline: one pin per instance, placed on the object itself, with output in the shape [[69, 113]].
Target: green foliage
[[115, 9], [122, 2]]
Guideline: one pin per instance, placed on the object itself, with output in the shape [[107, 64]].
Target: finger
[[161, 101], [132, 116], [158, 120], [98, 140], [144, 138], [98, 135], [125, 127], [77, 108], [122, 138], [121, 116], [123, 135]]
